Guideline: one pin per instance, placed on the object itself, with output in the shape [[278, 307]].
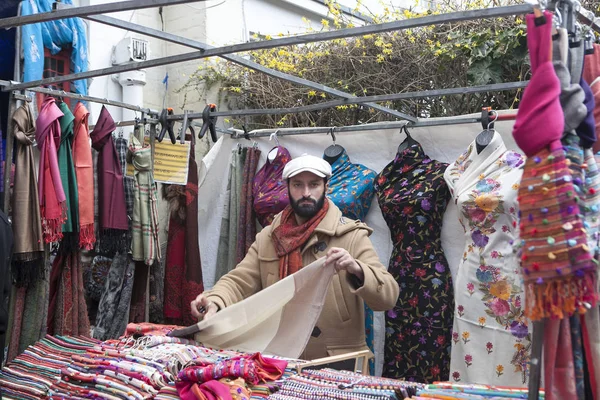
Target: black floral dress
[[412, 195]]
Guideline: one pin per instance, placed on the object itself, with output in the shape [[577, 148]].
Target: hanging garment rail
[[11, 22], [155, 33], [384, 97], [507, 115], [22, 97], [62, 93], [289, 41]]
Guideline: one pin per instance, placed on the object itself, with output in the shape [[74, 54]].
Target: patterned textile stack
[[128, 368], [447, 390], [333, 384]]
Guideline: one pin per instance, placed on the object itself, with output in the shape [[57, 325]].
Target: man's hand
[[342, 260], [202, 307]]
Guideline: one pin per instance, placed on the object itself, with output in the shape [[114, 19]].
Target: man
[[309, 228]]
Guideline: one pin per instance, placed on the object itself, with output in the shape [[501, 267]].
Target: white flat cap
[[309, 163]]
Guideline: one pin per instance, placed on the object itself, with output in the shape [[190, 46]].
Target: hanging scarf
[[28, 255], [247, 224], [67, 310], [289, 237], [145, 245], [52, 195], [84, 169], [113, 215], [67, 171], [183, 272], [269, 191]]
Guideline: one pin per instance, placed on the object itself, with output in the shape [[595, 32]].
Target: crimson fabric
[[268, 188], [183, 271], [67, 310], [247, 223], [51, 192], [289, 237], [559, 372], [591, 66], [211, 390], [112, 209], [253, 368], [540, 117]]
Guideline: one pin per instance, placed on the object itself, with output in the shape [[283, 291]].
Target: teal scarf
[[67, 169]]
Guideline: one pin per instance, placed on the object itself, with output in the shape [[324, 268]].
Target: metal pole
[[12, 107], [155, 33], [62, 93], [89, 10], [300, 39], [535, 373], [377, 98]]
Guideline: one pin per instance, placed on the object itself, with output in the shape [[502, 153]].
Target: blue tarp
[[53, 35]]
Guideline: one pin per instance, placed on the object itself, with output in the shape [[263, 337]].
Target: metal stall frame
[[203, 51]]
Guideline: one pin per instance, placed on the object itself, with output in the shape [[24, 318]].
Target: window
[[56, 65]]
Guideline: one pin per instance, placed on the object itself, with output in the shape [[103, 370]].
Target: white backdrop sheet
[[374, 149]]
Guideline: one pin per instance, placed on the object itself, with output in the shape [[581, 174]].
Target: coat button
[[379, 287]]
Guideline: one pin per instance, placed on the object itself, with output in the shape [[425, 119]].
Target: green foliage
[[433, 57]]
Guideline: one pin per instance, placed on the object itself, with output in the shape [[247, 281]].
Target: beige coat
[[340, 328]]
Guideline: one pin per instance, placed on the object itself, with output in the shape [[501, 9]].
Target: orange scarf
[[289, 237], [84, 169]]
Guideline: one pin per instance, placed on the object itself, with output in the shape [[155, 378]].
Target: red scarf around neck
[[289, 237]]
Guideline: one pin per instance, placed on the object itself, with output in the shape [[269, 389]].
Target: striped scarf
[[145, 244]]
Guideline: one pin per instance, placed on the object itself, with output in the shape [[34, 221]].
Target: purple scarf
[[112, 209]]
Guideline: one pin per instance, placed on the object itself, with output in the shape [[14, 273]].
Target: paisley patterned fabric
[[268, 188], [351, 187], [491, 339], [412, 195]]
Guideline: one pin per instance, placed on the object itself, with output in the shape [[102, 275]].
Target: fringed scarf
[[183, 272], [289, 237], [145, 245], [67, 176], [247, 219], [52, 195], [84, 169], [112, 210], [28, 255], [67, 310]]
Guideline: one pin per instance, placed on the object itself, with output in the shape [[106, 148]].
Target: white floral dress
[[490, 338]]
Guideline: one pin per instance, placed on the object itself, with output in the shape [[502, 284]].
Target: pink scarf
[[84, 169], [52, 195]]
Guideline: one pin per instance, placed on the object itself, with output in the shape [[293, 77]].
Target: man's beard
[[307, 207]]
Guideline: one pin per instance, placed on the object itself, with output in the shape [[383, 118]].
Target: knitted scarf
[[145, 245], [289, 237], [52, 195], [84, 169], [112, 210], [28, 255], [67, 170]]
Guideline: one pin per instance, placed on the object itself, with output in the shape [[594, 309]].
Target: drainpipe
[[127, 51]]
